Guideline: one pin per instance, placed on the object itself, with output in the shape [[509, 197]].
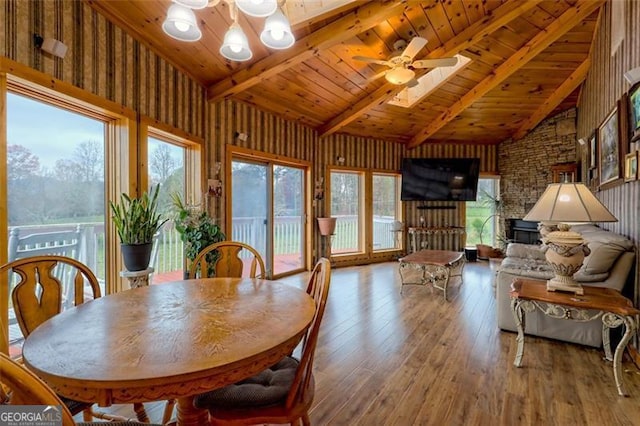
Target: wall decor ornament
[[634, 112], [609, 148], [631, 167]]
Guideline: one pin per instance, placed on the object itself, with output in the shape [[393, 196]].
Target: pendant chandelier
[[182, 25]]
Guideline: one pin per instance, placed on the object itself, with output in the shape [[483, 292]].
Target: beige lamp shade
[[569, 202]]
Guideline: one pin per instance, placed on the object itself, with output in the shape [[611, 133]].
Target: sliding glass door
[[268, 212], [250, 205], [288, 219]]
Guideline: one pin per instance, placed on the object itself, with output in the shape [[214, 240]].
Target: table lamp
[[564, 249]]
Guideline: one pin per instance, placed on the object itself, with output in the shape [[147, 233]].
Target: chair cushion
[[269, 387]]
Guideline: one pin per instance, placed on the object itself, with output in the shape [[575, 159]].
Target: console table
[[597, 302], [415, 232]]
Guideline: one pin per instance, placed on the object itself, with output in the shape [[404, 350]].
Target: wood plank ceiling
[[528, 60]]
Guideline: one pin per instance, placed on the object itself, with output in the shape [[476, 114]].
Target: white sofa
[[612, 257]]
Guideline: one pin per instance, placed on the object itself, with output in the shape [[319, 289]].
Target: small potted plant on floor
[[137, 221]]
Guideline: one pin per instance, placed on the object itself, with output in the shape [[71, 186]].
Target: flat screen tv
[[439, 179]]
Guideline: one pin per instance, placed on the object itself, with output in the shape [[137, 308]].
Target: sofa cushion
[[602, 257], [524, 251], [582, 277], [584, 229]]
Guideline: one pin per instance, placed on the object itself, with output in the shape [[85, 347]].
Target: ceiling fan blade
[[433, 63], [372, 60], [416, 44], [380, 74]]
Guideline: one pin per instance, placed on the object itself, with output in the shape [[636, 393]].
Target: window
[[386, 212], [55, 177], [360, 228], [347, 207], [55, 191], [482, 221], [166, 167]]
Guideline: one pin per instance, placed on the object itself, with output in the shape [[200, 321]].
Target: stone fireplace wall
[[525, 164]]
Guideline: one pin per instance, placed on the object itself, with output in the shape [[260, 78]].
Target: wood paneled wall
[[273, 135], [605, 84], [102, 59]]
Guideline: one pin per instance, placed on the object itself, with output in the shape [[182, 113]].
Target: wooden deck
[[414, 359], [282, 263]]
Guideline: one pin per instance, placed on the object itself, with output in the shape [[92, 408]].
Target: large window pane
[[55, 185], [167, 169], [385, 212], [482, 220], [346, 206], [288, 214], [250, 206]]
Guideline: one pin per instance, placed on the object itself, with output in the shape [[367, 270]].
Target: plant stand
[[137, 278]]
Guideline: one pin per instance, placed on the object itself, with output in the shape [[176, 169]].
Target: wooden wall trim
[[4, 283], [171, 130], [259, 155], [24, 72]]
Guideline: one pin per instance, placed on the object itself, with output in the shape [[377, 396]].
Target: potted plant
[[137, 221], [197, 230], [327, 225]]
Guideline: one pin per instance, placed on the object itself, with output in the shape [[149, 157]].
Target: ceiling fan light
[[193, 4], [277, 32], [399, 75], [181, 24], [257, 8], [235, 45]]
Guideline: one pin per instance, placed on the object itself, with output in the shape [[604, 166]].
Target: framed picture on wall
[[634, 112], [609, 149], [631, 167]]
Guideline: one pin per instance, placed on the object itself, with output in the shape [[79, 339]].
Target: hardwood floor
[[414, 359]]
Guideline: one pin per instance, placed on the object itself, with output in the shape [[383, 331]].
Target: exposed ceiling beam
[[531, 49], [467, 38], [565, 89], [343, 29]]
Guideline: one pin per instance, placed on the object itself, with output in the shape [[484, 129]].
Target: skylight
[[409, 96]]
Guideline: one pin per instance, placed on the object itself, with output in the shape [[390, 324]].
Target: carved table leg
[[188, 415], [606, 341], [518, 315], [447, 273], [630, 329]]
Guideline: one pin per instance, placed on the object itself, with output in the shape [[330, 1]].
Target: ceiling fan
[[402, 64]]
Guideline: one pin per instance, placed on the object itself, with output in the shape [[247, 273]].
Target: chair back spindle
[[39, 294]]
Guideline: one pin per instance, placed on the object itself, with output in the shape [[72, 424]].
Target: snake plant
[[137, 219]]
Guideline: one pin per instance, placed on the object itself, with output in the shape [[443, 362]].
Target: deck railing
[[88, 243], [168, 251]]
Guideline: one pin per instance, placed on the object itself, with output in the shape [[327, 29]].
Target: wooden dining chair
[[282, 393], [222, 259], [40, 295], [19, 386]]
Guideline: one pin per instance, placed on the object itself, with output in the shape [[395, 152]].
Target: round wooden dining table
[[171, 340]]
